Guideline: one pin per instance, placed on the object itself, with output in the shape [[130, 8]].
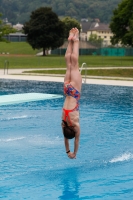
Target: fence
[[98, 51], [16, 37]]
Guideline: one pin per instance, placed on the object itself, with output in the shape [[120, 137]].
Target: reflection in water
[[70, 185]]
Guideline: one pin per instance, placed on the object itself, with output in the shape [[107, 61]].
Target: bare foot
[[71, 34], [76, 35]]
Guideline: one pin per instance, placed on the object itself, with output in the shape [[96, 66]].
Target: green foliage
[[44, 29], [5, 30], [69, 24], [93, 39], [0, 28], [19, 10], [122, 23]]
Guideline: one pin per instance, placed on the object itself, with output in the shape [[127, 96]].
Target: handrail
[[82, 66], [6, 66]]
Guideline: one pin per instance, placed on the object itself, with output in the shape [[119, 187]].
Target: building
[[18, 27], [85, 25], [16, 37], [100, 29]]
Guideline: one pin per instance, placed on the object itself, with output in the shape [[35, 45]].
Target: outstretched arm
[[66, 141], [70, 154], [76, 143]]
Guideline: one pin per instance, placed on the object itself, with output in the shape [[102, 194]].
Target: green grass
[[21, 55], [17, 48], [107, 61], [112, 72], [51, 61], [20, 62], [96, 72]]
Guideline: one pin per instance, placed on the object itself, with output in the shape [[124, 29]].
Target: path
[[17, 74]]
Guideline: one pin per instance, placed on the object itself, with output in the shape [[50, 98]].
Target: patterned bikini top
[[69, 90]]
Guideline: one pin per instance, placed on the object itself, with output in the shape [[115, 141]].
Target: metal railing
[[6, 66], [84, 66]]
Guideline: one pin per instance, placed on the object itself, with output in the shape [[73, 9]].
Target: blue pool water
[[33, 162]]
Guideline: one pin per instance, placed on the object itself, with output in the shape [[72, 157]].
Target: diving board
[[26, 97]]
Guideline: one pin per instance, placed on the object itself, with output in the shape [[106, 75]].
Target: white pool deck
[[17, 75]]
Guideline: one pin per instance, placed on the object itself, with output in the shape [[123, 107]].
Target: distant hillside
[[19, 10]]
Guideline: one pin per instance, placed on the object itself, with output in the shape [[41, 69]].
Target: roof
[[17, 34], [86, 26], [100, 26]]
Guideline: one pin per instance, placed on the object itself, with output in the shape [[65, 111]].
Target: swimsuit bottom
[[66, 113]]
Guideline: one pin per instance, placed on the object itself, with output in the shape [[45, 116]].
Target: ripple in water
[[121, 158], [11, 139]]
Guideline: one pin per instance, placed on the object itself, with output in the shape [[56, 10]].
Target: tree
[[18, 10], [122, 23], [5, 30], [44, 29], [0, 28], [69, 24], [95, 40]]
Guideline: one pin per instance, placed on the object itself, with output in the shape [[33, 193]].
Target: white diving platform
[[26, 97]]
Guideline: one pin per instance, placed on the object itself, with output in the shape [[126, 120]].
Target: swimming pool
[[33, 162]]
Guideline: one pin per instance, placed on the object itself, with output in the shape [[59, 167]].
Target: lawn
[[53, 61], [21, 61], [20, 55], [95, 72], [17, 48]]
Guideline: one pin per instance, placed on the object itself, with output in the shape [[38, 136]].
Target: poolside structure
[[26, 97], [16, 37]]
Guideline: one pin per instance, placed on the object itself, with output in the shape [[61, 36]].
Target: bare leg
[[68, 57], [75, 53], [76, 78]]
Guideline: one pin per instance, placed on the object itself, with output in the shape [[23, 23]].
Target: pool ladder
[[84, 66], [6, 66]]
